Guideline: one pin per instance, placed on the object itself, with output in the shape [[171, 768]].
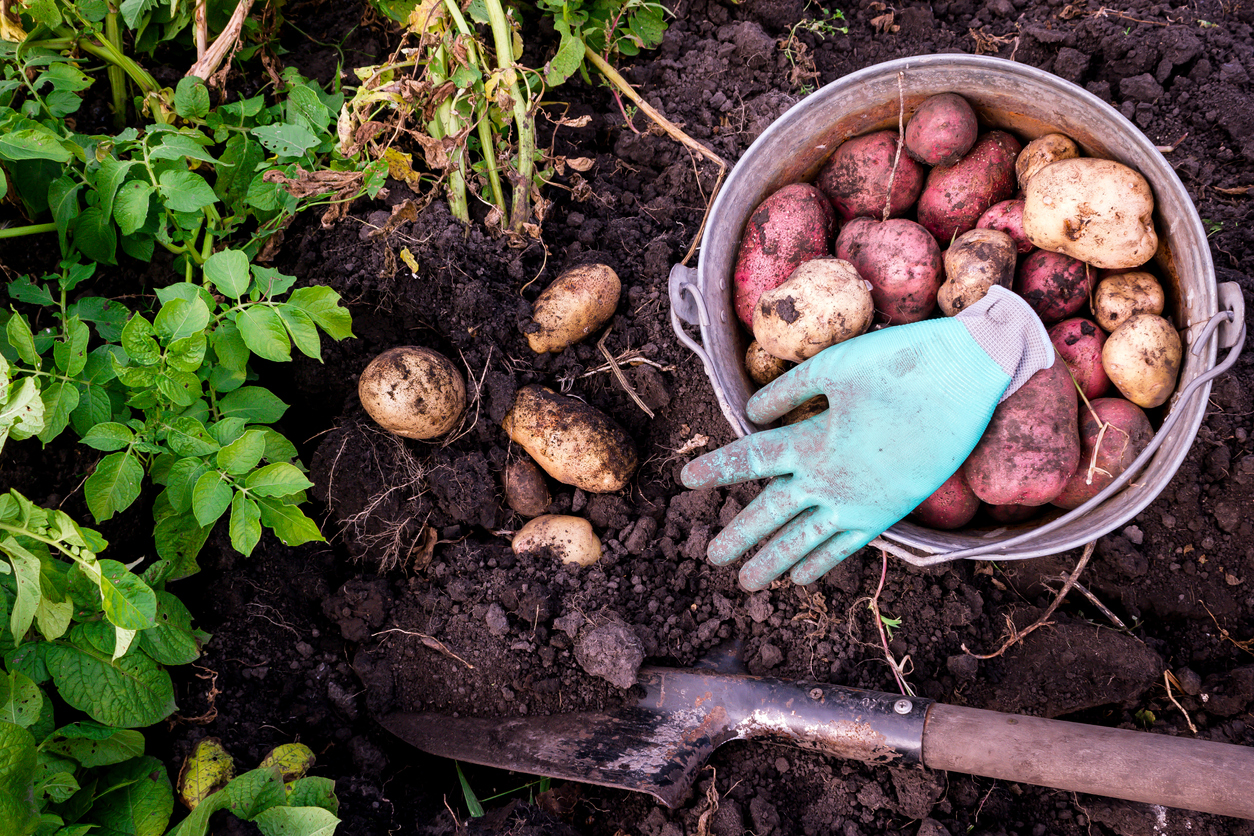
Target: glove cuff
[[1011, 333]]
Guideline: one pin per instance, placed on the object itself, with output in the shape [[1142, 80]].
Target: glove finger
[[784, 394], [772, 508], [757, 456], [824, 558], [789, 545]]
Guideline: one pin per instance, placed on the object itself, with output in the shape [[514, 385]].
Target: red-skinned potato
[[942, 130], [953, 505], [413, 391], [1042, 151], [1007, 217], [1079, 344], [1031, 446], [1121, 295], [856, 177], [789, 228], [955, 196], [900, 260], [1011, 514], [824, 302], [525, 490], [978, 259], [1126, 433], [1055, 285], [1142, 359]]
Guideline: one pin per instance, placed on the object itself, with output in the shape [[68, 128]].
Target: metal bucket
[[1029, 103]]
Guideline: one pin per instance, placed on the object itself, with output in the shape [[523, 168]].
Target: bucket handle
[[1230, 325], [687, 306]]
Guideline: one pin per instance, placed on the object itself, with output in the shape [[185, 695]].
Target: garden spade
[[658, 744]]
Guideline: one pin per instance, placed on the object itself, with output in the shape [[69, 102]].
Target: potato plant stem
[[29, 229], [117, 76], [520, 213]]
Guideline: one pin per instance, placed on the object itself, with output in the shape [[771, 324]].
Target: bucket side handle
[[688, 307], [1231, 317]]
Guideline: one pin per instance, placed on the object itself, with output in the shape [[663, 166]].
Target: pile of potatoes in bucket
[[418, 393], [926, 226]]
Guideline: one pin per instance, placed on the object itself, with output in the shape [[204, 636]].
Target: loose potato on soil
[[578, 302], [856, 177], [575, 443], [978, 259], [942, 130], [1122, 295], [823, 303], [900, 260], [525, 490], [1079, 344], [953, 505], [1055, 285], [1007, 217], [569, 539], [1127, 433], [790, 227], [1031, 446], [955, 196], [1142, 359], [762, 366], [1041, 152], [1098, 211], [413, 391]]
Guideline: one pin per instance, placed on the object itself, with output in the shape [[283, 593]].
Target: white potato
[[977, 260], [1098, 211], [413, 391], [1124, 294], [762, 366], [569, 539], [578, 302], [1041, 152], [822, 303], [1142, 359]]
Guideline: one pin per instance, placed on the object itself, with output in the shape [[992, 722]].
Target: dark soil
[[417, 602]]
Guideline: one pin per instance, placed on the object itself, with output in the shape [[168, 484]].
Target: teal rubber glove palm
[[907, 405]]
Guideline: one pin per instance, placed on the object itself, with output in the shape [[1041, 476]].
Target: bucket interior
[[1028, 103]]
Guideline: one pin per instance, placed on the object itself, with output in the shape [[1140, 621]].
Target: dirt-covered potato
[[1011, 514], [1098, 211], [578, 302], [413, 391], [1120, 296], [806, 411], [1142, 359], [1055, 285], [978, 259], [1113, 432], [953, 505], [1007, 217], [824, 302], [575, 443], [1032, 445], [1079, 344], [856, 177], [569, 539], [790, 227], [942, 130], [1041, 152], [762, 366], [525, 490], [900, 260], [955, 196]]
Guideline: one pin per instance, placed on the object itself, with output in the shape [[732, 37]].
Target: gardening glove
[[907, 405]]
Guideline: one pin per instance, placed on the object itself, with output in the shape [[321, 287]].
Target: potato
[[900, 260], [575, 443], [1041, 152], [942, 130], [1031, 446], [953, 505], [1120, 296], [823, 303], [1079, 344], [1055, 285], [1127, 433], [805, 412], [1142, 359], [955, 196], [1011, 514], [762, 366], [525, 490], [578, 302], [1098, 211], [1007, 217], [855, 178], [978, 259], [790, 227], [569, 539], [413, 391]]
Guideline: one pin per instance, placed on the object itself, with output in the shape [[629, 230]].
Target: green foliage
[[607, 27], [305, 807]]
